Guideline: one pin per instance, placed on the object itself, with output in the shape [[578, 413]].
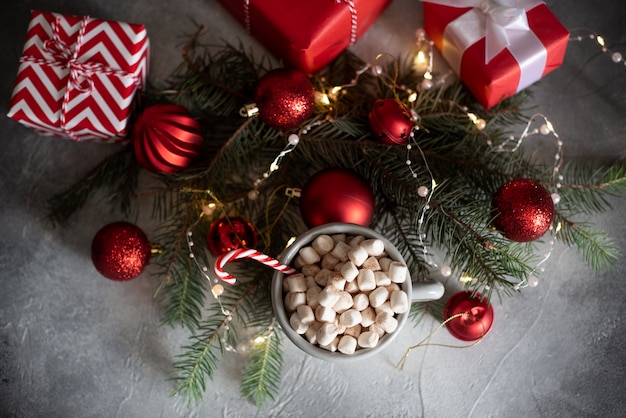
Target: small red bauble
[[336, 195], [120, 251], [166, 138], [229, 233], [477, 316], [389, 122], [285, 98], [523, 210]]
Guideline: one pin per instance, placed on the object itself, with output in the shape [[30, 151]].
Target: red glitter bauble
[[523, 210], [120, 251], [336, 195], [285, 98], [229, 233], [477, 316], [166, 138], [389, 122]]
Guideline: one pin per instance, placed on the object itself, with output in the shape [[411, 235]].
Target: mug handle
[[427, 290]]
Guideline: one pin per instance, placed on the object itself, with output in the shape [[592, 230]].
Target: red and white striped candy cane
[[247, 253]]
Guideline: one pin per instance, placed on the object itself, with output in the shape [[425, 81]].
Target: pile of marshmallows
[[347, 294]]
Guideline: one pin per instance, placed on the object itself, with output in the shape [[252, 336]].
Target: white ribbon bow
[[502, 19]]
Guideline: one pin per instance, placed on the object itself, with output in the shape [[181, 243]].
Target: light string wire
[[616, 56], [400, 365]]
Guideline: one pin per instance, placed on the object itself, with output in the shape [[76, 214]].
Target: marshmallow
[[366, 280], [296, 324], [360, 301], [368, 339], [356, 240], [354, 331], [382, 279], [397, 272], [378, 296], [324, 314], [347, 344], [305, 313], [293, 300], [368, 316], [384, 263], [332, 347], [341, 328], [349, 271], [341, 251], [323, 244], [298, 262], [387, 321], [393, 287], [385, 307], [377, 329], [339, 238], [336, 280], [310, 269], [329, 261], [357, 255], [371, 263], [329, 296], [326, 334], [309, 255], [352, 287], [374, 247], [399, 301], [344, 303], [322, 277], [296, 283], [339, 265], [310, 282], [312, 296], [311, 333], [350, 318]]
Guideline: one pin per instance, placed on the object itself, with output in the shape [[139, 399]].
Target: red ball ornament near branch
[[390, 122], [230, 233], [166, 138], [336, 195], [475, 316], [120, 251], [523, 210], [284, 98]]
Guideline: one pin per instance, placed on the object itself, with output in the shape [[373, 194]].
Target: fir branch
[[118, 172], [262, 371], [594, 244], [201, 358], [585, 190]]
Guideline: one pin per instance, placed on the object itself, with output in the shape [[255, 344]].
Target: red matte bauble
[[523, 210], [336, 195], [229, 233], [477, 316], [120, 251], [285, 98], [166, 138], [390, 123]]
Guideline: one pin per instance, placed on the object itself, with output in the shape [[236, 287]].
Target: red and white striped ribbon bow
[[253, 254]]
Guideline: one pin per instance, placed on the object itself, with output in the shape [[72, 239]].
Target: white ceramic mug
[[416, 292]]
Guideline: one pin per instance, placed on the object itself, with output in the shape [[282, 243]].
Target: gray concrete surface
[[75, 345]]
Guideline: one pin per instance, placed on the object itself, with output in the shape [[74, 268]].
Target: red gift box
[[306, 34], [78, 76], [497, 51]]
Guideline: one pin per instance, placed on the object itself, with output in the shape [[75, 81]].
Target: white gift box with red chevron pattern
[[78, 76]]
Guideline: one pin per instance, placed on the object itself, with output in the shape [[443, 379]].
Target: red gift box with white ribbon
[[78, 76], [497, 47], [305, 34]]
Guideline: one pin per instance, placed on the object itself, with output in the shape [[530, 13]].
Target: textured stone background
[[75, 345]]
